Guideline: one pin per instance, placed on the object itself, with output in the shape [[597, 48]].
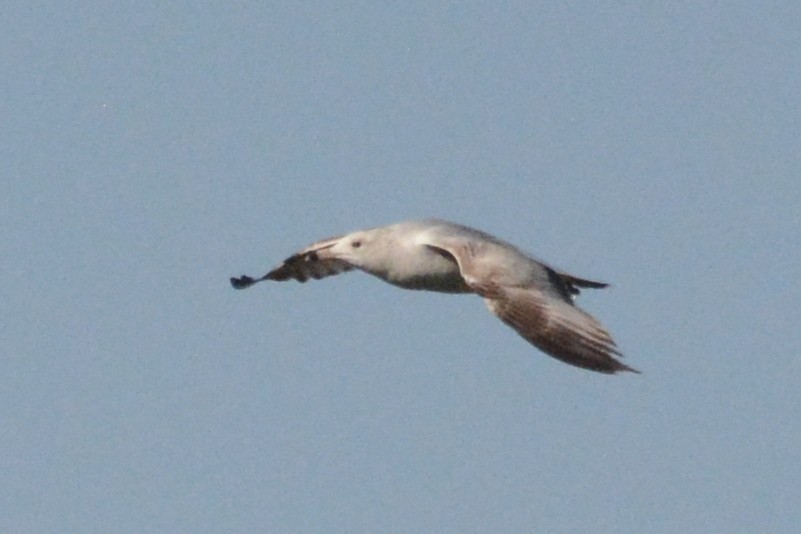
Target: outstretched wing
[[557, 328], [552, 324], [314, 261]]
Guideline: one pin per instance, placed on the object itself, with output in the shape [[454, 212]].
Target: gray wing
[[314, 261], [539, 315]]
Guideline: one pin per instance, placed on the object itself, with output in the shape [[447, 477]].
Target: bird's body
[[433, 255]]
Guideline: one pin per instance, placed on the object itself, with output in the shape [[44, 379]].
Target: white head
[[356, 248]]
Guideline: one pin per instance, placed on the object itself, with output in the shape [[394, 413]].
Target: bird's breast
[[422, 268]]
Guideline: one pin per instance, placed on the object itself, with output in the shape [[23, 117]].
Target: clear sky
[[151, 150]]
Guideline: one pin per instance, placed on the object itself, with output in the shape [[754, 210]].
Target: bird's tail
[[581, 282]]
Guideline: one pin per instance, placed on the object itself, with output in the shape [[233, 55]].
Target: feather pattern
[[534, 299]]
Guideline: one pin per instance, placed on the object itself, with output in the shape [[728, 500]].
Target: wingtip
[[242, 282], [622, 367]]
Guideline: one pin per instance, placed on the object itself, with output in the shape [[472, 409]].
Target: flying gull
[[533, 298]]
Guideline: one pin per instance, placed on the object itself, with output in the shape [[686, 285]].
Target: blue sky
[[151, 151]]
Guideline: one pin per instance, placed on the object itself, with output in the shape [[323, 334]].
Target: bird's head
[[356, 248]]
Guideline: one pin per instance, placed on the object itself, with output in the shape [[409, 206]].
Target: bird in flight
[[536, 300]]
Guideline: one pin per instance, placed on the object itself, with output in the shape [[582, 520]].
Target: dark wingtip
[[242, 282], [630, 370], [622, 367]]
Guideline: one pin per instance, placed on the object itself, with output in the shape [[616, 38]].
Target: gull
[[536, 300]]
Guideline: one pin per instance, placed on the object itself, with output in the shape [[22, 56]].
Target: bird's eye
[[356, 244]]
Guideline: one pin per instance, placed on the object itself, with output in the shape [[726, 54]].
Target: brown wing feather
[[314, 261], [553, 325], [557, 328]]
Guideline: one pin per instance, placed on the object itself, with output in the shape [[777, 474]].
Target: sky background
[[152, 150]]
